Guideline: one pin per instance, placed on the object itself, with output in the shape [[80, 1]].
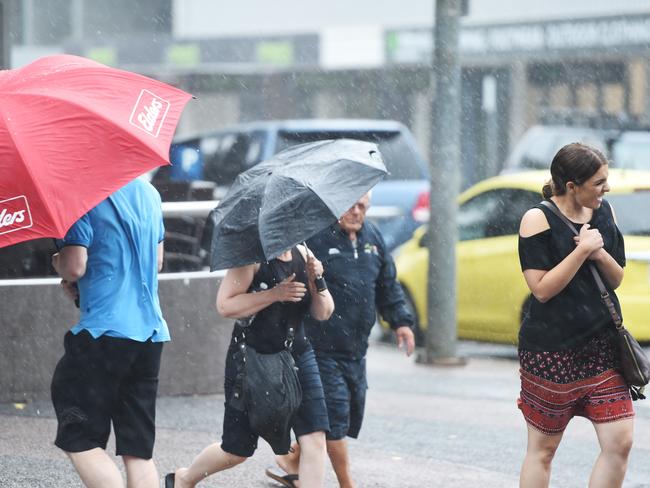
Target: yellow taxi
[[492, 293]]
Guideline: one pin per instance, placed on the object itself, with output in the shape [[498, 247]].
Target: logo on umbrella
[[14, 214], [149, 112]]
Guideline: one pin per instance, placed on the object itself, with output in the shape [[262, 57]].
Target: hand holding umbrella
[[315, 270]]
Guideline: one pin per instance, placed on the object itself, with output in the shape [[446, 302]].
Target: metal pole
[[5, 49], [77, 11], [445, 183]]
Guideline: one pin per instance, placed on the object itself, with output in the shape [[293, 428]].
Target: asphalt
[[424, 427]]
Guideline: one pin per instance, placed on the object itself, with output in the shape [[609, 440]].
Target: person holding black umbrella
[[264, 297]]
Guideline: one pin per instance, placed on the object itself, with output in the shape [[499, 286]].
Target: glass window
[[399, 158], [632, 151], [494, 213], [626, 207]]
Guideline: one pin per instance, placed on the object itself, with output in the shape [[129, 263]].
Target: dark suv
[[219, 156]]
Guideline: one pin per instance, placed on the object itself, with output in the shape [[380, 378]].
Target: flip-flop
[[285, 480], [170, 478]]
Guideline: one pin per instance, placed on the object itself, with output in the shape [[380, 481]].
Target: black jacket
[[361, 283]]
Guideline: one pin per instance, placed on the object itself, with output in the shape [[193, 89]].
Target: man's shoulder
[[140, 185], [138, 192]]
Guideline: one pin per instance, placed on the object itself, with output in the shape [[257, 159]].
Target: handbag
[[635, 366], [268, 389]]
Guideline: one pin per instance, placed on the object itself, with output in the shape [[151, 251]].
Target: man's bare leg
[[141, 473], [338, 453]]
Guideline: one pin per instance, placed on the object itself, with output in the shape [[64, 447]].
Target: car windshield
[[626, 206], [399, 158], [632, 152]]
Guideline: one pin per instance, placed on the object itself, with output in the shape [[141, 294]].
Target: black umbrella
[[287, 199]]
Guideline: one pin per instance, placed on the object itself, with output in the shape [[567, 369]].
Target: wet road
[[425, 427]]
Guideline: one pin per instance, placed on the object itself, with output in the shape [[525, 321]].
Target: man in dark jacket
[[362, 280]]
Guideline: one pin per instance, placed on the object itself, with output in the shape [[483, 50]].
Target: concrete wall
[[36, 315]]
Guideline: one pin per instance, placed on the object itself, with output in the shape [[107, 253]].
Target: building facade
[[523, 63]]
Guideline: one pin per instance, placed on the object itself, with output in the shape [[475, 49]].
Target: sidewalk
[[424, 427]]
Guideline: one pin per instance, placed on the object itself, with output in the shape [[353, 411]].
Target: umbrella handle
[[321, 284]]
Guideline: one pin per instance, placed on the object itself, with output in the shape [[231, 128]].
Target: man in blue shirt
[[361, 277], [109, 371]]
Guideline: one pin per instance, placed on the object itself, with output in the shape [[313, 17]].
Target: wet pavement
[[424, 427]]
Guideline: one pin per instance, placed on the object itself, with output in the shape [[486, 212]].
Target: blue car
[[400, 201]]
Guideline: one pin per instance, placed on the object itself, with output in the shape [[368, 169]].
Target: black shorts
[[345, 385], [240, 440], [102, 380]]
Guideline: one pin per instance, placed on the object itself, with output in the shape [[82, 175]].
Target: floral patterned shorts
[[558, 385]]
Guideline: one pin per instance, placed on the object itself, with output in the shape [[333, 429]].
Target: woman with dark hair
[[269, 296], [569, 362]]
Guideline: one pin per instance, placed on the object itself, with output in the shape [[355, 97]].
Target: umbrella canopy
[[72, 131], [289, 198]]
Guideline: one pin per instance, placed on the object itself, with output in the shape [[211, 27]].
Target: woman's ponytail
[[547, 190]]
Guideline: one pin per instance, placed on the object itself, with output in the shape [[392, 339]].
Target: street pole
[[445, 182]]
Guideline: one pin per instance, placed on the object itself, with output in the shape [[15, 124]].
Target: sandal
[[170, 480], [286, 480]]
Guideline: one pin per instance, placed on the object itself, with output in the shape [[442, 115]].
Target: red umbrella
[[72, 131]]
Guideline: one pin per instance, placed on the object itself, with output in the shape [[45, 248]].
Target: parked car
[[630, 149], [219, 156], [492, 293], [538, 145]]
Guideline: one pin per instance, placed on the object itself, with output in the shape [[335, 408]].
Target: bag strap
[[294, 318], [604, 294]]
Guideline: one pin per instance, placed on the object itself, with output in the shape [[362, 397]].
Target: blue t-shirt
[[118, 294]]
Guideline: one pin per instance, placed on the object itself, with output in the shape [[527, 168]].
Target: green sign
[[275, 52]]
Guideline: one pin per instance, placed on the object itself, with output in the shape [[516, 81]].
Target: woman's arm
[[234, 301], [322, 304], [611, 271], [544, 284]]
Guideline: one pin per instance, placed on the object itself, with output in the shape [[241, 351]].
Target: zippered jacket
[[362, 282]]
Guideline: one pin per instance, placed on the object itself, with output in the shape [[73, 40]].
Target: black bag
[[268, 388], [635, 366], [271, 395]]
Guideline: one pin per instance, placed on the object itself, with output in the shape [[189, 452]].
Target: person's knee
[[335, 445], [134, 461], [313, 443], [619, 446], [544, 453], [233, 459], [82, 456]]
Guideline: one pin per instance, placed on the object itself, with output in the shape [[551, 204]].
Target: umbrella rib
[[44, 201]]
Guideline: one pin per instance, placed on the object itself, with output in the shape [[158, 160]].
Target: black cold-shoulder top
[[576, 314]]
